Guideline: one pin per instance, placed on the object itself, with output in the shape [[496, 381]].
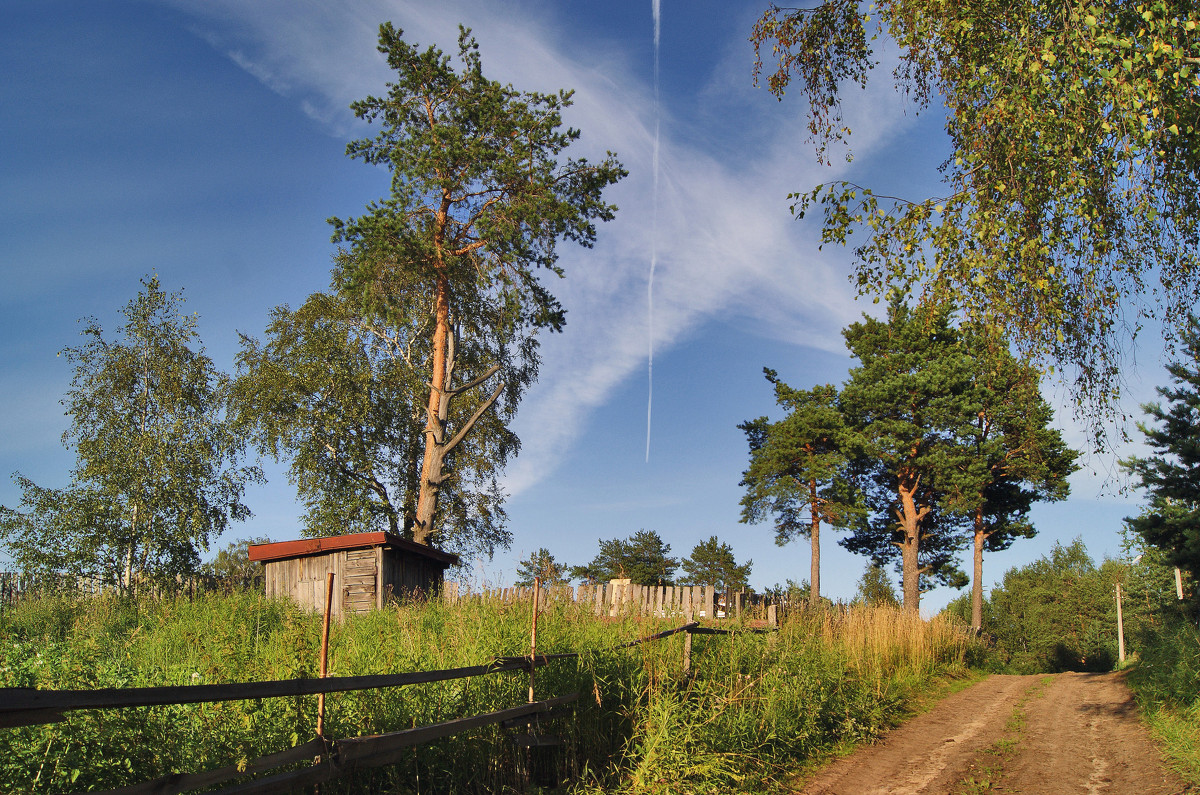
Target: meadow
[[752, 710]]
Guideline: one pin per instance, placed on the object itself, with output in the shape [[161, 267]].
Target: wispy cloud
[[726, 243]]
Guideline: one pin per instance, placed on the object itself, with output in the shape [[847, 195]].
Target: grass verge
[[750, 710]]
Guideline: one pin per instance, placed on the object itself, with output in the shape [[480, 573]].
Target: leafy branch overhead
[[1070, 213]]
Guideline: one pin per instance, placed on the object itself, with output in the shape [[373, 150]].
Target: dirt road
[[1067, 733]]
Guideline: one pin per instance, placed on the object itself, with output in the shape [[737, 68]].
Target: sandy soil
[[1067, 733]]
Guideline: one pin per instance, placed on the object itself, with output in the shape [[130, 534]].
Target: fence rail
[[24, 706], [27, 706]]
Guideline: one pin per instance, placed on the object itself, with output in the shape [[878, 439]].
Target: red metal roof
[[318, 546]]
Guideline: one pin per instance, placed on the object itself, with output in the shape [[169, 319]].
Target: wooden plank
[[29, 717], [689, 627], [26, 699], [182, 782], [285, 782], [383, 749]]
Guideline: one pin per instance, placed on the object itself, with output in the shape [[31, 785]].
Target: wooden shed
[[368, 569]]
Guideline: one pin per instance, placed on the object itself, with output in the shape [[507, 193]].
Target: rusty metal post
[[324, 653], [537, 586]]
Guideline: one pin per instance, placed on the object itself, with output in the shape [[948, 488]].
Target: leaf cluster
[[157, 472], [1070, 215]]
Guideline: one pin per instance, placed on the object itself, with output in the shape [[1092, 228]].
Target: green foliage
[[448, 265], [875, 589], [1166, 678], [795, 463], [752, 709], [233, 566], [641, 558], [907, 402], [156, 475], [1059, 613], [332, 390], [951, 440], [797, 469], [1073, 173], [1016, 457], [712, 563], [790, 697], [541, 564], [1171, 521]]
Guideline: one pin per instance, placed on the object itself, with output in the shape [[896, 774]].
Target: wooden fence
[[622, 598], [16, 586], [330, 758]]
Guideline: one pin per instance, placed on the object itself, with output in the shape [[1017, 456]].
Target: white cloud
[[727, 244]]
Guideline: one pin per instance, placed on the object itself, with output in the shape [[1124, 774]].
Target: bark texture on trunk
[[977, 572], [431, 464], [910, 516], [814, 593]]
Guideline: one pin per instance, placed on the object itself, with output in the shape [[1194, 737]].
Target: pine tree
[[642, 558], [543, 566], [797, 468], [712, 563], [450, 262], [1016, 457], [1171, 520], [906, 402]]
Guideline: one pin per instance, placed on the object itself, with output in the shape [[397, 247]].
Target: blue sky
[[203, 140]]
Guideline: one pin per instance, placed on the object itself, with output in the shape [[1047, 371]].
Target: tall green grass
[[1166, 680], [752, 708]]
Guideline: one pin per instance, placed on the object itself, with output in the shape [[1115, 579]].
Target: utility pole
[[1120, 630]]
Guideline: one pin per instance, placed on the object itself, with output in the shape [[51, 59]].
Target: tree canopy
[[1016, 458], [1071, 210], [712, 563], [797, 469], [156, 475], [1171, 520], [907, 403], [450, 263], [642, 558], [330, 390], [543, 566]]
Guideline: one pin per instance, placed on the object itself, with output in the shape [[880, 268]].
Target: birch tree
[[1070, 211], [157, 474]]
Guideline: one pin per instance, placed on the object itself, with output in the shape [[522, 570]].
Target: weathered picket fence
[[620, 597]]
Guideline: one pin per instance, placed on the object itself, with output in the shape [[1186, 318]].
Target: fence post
[[687, 646], [537, 583], [324, 653]]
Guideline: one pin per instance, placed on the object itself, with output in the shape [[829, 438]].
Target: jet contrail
[[655, 9]]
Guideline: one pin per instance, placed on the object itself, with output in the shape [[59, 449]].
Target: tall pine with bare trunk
[[797, 470], [481, 194], [1016, 457], [906, 402]]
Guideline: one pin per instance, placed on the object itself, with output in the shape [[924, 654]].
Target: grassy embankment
[[1166, 679], [753, 710]]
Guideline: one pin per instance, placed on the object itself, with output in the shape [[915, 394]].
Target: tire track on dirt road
[[1066, 733]]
